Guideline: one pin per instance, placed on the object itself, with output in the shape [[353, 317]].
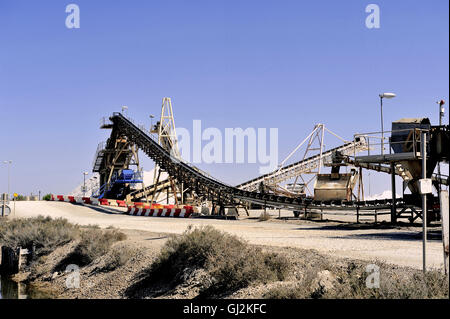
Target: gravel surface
[[395, 245]]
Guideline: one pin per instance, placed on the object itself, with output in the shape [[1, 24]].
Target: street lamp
[[84, 183], [386, 96], [151, 122], [9, 162], [441, 111], [96, 185]]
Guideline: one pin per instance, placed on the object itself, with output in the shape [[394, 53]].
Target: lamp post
[[124, 108], [84, 183], [151, 122], [387, 96], [441, 116], [441, 111], [9, 162]]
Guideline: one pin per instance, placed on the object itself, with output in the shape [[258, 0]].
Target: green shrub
[[47, 197], [231, 263], [350, 283], [394, 284], [93, 244], [44, 233], [117, 258]]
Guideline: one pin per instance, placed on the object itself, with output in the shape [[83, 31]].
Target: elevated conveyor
[[304, 166], [202, 184], [209, 188]]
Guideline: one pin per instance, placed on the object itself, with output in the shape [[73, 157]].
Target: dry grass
[[349, 282], [44, 233], [229, 262], [264, 217], [118, 257], [94, 243]]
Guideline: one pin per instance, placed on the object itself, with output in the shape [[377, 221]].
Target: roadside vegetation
[[226, 263], [204, 262], [264, 217], [43, 233], [94, 243], [347, 280], [19, 198], [117, 258]]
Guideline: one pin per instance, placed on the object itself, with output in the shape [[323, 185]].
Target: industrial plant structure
[[414, 144]]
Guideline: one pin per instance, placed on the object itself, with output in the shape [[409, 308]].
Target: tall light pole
[[382, 96], [124, 109], [84, 183], [441, 111], [151, 122], [441, 116], [9, 162]]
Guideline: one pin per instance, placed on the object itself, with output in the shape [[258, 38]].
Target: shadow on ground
[[433, 235], [105, 209]]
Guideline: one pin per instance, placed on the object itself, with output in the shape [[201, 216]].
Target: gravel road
[[395, 245]]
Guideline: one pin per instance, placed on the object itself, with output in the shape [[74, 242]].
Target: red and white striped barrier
[[75, 199], [89, 200], [161, 212], [169, 211]]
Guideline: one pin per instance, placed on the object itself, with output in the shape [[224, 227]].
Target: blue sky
[[284, 64]]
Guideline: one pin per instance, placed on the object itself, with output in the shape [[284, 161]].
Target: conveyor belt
[[216, 190], [304, 166]]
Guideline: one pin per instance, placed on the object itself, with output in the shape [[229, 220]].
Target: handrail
[[143, 131], [360, 145]]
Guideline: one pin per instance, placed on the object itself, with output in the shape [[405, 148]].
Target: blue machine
[[116, 187], [128, 176]]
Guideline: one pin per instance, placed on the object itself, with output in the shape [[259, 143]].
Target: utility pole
[[441, 116], [84, 183], [151, 122], [424, 199], [9, 162], [382, 96], [382, 128]]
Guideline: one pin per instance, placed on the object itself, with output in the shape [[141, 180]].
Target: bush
[[350, 283], [264, 216], [44, 233], [93, 244], [47, 197], [230, 262], [117, 258], [394, 284]]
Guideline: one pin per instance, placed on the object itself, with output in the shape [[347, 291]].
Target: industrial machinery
[[406, 140], [333, 192], [112, 162], [205, 186], [335, 186], [314, 157]]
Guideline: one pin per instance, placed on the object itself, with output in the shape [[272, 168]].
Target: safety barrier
[[161, 212], [137, 209], [76, 199]]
